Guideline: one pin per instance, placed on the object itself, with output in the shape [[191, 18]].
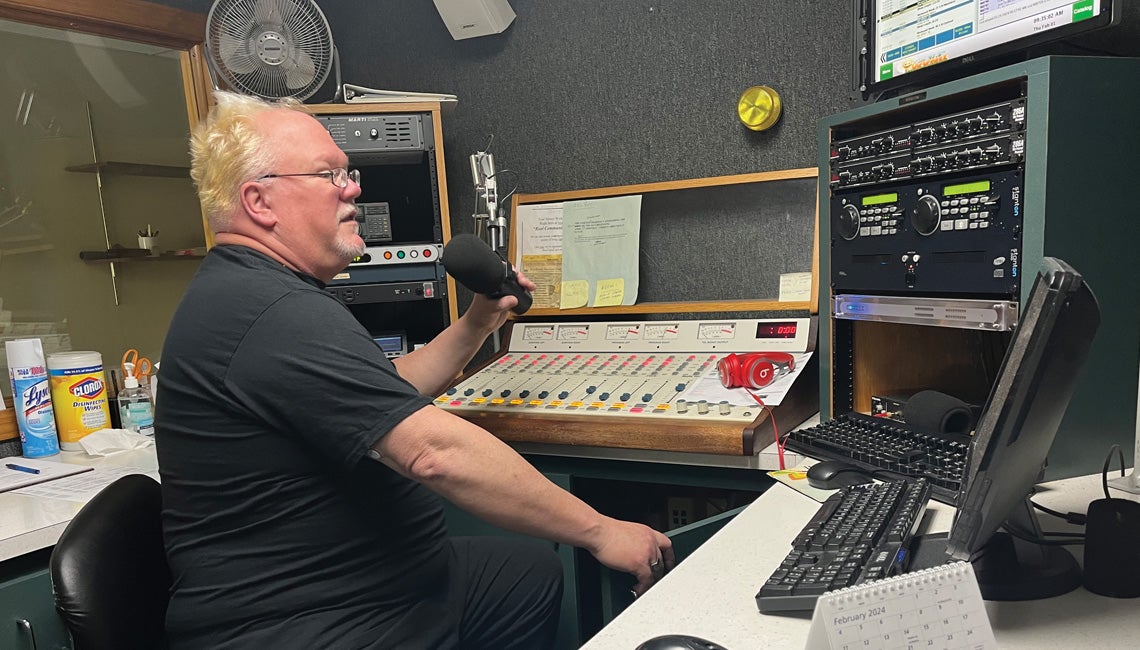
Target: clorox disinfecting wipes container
[[79, 395]]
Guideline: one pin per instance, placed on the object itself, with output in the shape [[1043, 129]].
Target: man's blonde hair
[[227, 150]]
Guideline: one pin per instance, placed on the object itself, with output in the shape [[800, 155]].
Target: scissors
[[141, 365]]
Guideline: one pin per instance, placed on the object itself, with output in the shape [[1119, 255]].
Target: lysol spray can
[[78, 395], [31, 397]]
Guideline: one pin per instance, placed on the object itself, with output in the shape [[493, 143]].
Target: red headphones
[[755, 369]]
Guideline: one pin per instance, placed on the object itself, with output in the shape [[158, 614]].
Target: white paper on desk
[[600, 239], [81, 487], [709, 388], [539, 250], [49, 470]]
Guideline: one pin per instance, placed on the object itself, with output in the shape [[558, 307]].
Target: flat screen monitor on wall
[[916, 43]]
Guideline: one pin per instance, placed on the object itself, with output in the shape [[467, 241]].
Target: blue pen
[[21, 468]]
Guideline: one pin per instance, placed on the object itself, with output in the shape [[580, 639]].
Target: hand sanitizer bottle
[[136, 412]]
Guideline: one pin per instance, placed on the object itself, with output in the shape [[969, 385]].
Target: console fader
[[555, 381]]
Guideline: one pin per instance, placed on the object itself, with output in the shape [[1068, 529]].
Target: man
[[296, 460]]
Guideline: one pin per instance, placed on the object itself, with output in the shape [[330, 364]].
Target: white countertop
[[712, 593], [29, 523]]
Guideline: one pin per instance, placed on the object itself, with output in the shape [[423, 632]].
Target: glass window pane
[[97, 153]]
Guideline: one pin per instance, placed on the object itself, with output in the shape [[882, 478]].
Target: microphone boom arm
[[489, 226]]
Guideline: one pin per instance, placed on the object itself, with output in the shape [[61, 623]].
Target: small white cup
[[149, 243]]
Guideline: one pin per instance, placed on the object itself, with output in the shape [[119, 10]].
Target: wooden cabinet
[[398, 285]]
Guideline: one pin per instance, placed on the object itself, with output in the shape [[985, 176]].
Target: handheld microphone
[[469, 260]]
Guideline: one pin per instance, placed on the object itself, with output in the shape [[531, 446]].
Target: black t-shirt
[[279, 530]]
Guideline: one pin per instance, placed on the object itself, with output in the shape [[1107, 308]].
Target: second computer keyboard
[[888, 449], [861, 533]]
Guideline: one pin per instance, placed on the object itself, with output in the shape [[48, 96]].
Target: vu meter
[[623, 331], [660, 331], [716, 331], [538, 333], [573, 332]]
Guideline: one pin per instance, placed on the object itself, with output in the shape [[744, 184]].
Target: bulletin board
[[717, 244]]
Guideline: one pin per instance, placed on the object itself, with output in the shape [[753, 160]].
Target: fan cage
[[270, 48]]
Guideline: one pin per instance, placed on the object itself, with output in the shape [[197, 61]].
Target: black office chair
[[108, 571]]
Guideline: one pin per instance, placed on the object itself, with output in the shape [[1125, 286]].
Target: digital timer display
[[782, 330]]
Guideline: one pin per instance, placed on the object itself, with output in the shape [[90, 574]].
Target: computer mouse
[[834, 474], [679, 642]]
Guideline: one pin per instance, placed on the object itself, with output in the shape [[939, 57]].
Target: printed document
[[600, 240]]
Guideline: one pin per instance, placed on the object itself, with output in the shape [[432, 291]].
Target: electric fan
[[270, 48]]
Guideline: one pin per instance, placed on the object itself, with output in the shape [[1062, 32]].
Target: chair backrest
[[108, 571]]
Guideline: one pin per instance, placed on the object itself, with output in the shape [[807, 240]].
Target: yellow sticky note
[[575, 293], [609, 292]]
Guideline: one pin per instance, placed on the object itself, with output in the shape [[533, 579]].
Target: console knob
[[848, 222], [926, 215]]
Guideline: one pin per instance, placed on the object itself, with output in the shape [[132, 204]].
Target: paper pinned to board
[[600, 239], [539, 249], [795, 287]]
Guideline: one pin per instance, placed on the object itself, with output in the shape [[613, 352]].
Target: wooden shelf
[[134, 258], [678, 308], [132, 169], [738, 197]]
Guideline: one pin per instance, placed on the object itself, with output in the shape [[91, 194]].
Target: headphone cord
[[771, 418]]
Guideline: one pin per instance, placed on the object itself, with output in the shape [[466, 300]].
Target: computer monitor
[[394, 344], [1012, 439], [909, 43]]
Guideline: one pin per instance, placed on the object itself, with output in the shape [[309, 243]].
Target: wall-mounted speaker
[[471, 18]]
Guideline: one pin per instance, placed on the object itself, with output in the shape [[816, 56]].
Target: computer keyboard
[[861, 533], [888, 449]]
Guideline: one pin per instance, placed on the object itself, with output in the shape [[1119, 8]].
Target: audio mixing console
[[635, 384]]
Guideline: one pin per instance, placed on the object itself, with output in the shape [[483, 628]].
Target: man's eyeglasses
[[338, 177]]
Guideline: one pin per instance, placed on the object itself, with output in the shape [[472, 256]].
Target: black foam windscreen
[[930, 410], [471, 261]]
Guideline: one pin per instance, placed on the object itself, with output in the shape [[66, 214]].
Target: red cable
[[772, 418]]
